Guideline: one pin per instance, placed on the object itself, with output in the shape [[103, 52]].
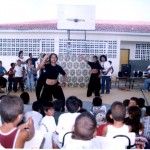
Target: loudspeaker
[[126, 70], [119, 74]]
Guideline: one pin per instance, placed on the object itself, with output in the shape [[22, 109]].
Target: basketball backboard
[[76, 17]]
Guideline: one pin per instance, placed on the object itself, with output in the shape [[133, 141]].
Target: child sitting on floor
[[99, 111], [11, 136], [118, 113], [83, 132], [48, 124], [35, 113]]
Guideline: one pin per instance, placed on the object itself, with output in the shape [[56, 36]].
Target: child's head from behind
[[97, 101], [134, 112], [48, 108], [72, 104], [118, 111], [11, 108], [36, 106], [58, 103], [25, 97], [126, 102], [141, 102], [85, 126]]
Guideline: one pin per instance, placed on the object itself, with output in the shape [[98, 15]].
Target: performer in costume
[[94, 83], [52, 88]]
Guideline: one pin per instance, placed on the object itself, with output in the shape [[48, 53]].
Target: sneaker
[[107, 92]]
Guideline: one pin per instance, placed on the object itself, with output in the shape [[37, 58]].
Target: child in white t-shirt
[[35, 114], [18, 70], [48, 124], [84, 131]]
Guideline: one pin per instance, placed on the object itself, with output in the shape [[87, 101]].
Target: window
[[95, 47], [142, 51], [11, 47]]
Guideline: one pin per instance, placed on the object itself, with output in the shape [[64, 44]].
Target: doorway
[[124, 57]]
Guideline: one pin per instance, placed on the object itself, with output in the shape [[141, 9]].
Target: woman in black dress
[[94, 83], [52, 88]]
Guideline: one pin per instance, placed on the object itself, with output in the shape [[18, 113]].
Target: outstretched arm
[[84, 59], [43, 61]]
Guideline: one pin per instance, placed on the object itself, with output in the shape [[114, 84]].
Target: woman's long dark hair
[[96, 58], [51, 57], [104, 57]]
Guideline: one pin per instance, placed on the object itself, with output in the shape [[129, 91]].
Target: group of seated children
[[77, 128]]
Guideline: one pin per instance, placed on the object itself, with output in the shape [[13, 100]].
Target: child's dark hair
[[12, 64], [104, 57], [108, 118], [25, 97], [126, 102], [134, 99], [118, 111], [47, 105], [97, 101], [72, 104], [21, 52], [10, 107], [134, 112], [36, 106], [85, 126], [58, 103], [148, 110], [80, 103], [141, 102]]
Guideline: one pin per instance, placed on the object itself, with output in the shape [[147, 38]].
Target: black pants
[[20, 81], [94, 85], [53, 91], [11, 85], [40, 83], [3, 82]]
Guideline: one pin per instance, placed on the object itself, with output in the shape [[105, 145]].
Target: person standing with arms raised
[[52, 88]]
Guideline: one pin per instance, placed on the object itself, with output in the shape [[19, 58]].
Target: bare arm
[[104, 131], [84, 59], [27, 132], [43, 61]]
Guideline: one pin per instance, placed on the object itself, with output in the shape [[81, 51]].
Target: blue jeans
[[146, 84], [105, 79], [30, 82]]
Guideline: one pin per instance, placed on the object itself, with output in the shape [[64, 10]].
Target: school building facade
[[122, 42]]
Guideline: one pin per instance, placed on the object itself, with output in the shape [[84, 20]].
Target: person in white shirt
[[18, 70], [66, 121], [22, 59], [84, 131], [48, 124], [35, 114], [106, 73]]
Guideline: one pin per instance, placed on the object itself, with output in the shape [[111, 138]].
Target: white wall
[[127, 41]]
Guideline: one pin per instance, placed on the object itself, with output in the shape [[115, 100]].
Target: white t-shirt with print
[[106, 65]]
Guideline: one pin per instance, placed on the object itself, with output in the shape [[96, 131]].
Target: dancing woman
[[52, 88], [94, 83]]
